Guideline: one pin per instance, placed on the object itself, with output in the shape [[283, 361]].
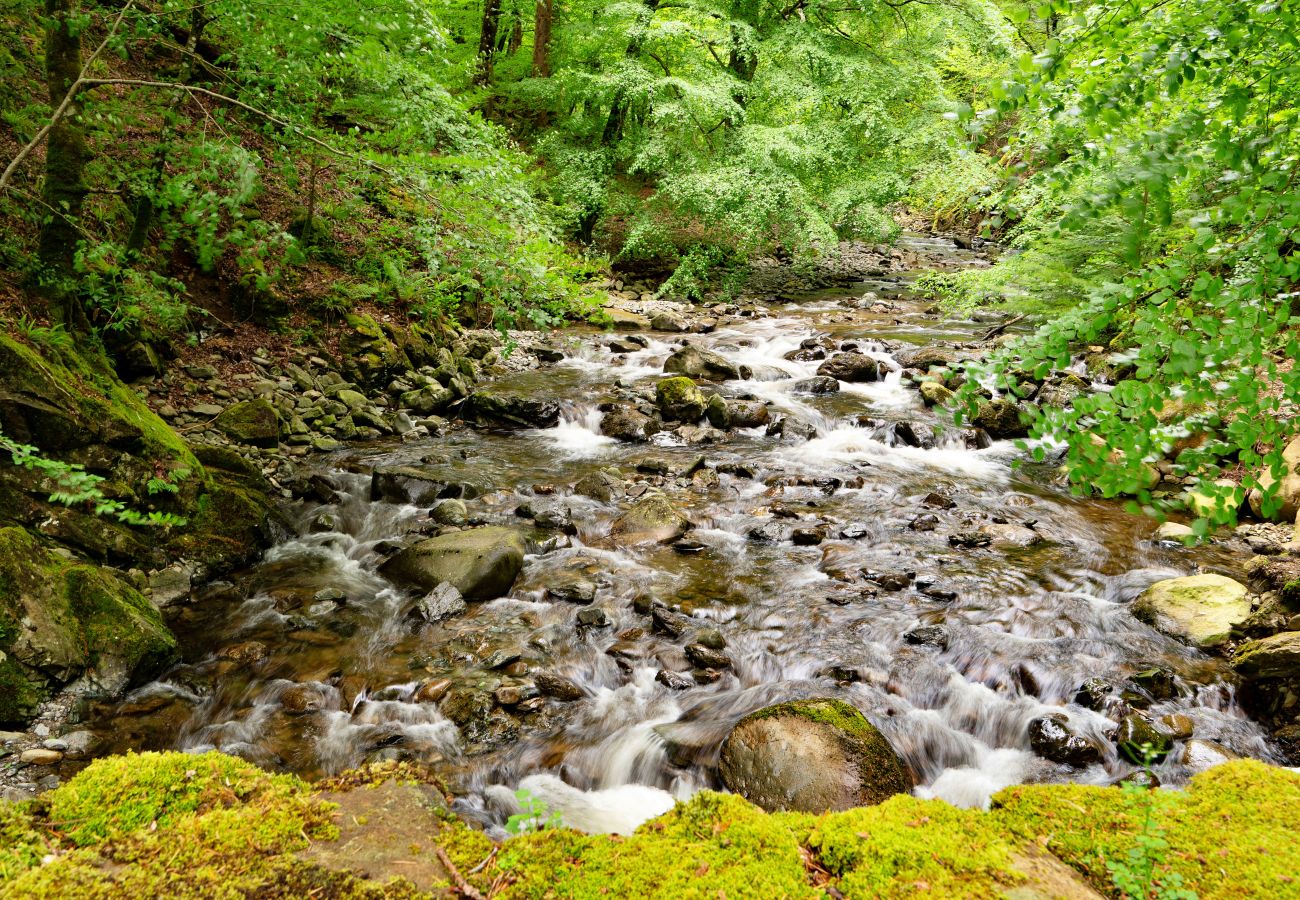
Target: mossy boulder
[[368, 353], [680, 399], [652, 519], [811, 756], [481, 563], [1277, 656], [252, 422], [1001, 419], [1201, 609], [61, 621], [935, 394]]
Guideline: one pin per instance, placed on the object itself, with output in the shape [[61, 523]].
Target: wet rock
[[670, 322], [934, 592], [935, 394], [1277, 656], [593, 617], [503, 659], [718, 413], [571, 587], [1173, 532], [769, 533], [432, 691], [689, 543], [602, 486], [891, 581], [443, 602], [1156, 683], [852, 367], [1201, 755], [1007, 536], [1001, 419], [1094, 694], [808, 536], [914, 434], [546, 514], [665, 621], [253, 422], [170, 585], [939, 501], [1177, 726], [450, 512], [1201, 609], [301, 700], [406, 484], [515, 410], [467, 706], [245, 652], [711, 638], [820, 384], [748, 413], [674, 681], [1051, 738], [701, 365], [1141, 742], [652, 519], [707, 657], [969, 539], [624, 423], [558, 687], [924, 522], [680, 400], [928, 636], [481, 563], [810, 756]]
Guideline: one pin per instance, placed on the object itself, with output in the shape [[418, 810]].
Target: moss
[[211, 826], [890, 849], [835, 713], [21, 691]]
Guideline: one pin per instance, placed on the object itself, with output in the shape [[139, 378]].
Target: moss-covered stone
[[252, 422], [61, 620], [1200, 608], [680, 399]]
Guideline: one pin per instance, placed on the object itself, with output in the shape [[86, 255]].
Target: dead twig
[[461, 886]]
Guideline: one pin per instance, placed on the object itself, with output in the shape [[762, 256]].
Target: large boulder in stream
[[481, 563], [811, 756], [680, 399], [511, 409], [1001, 419], [652, 519], [1201, 609], [703, 365], [851, 367]]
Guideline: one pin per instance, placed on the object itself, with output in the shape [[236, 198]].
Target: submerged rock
[[811, 756], [1202, 609], [481, 563], [652, 519]]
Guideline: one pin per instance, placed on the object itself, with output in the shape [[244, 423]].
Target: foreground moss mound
[[176, 825]]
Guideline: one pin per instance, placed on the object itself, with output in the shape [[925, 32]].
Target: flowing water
[[293, 682]]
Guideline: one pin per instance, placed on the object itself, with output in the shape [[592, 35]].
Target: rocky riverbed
[[588, 559]]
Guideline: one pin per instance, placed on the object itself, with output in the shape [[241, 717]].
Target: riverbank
[[212, 826]]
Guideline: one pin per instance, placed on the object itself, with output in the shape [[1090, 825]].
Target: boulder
[[1277, 656], [481, 563], [1140, 741], [1001, 419], [1201, 609], [624, 423], [625, 320], [1286, 489], [511, 409], [935, 394], [406, 484], [680, 399], [701, 365], [748, 413], [811, 756], [252, 422], [652, 519], [62, 620], [854, 367]]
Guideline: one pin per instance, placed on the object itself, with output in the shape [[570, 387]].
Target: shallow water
[[1026, 628]]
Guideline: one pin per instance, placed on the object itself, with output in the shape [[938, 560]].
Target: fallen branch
[[459, 884], [999, 328]]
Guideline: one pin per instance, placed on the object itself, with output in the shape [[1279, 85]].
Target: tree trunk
[[64, 191], [542, 19], [487, 39]]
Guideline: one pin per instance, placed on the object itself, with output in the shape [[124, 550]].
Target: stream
[[312, 662]]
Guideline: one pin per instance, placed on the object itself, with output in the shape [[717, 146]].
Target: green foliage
[[533, 815], [1170, 128], [1143, 873], [74, 486]]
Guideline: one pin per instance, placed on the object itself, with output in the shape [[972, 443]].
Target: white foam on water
[[972, 786], [848, 444], [886, 394], [616, 810], [578, 434]]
